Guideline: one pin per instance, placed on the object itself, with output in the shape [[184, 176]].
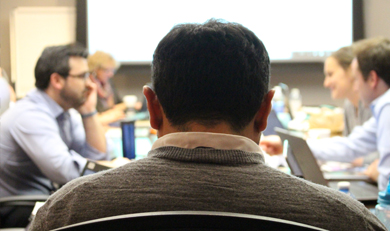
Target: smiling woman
[[339, 80], [338, 76]]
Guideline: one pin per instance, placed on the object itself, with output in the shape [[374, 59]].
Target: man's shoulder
[[126, 190], [27, 114], [338, 208]]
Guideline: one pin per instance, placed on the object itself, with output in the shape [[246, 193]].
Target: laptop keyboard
[[363, 191]]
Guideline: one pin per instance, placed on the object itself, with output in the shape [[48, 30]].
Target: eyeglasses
[[81, 76], [108, 70]]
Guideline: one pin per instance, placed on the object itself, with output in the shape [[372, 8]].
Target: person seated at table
[[339, 80], [209, 103], [43, 141], [109, 106], [371, 73]]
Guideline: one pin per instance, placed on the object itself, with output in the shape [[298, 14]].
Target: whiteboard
[[31, 30], [291, 30]]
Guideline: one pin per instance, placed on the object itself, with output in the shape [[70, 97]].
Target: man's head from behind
[[371, 68], [210, 73]]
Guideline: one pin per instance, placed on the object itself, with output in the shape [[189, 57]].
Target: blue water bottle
[[382, 209], [278, 100]]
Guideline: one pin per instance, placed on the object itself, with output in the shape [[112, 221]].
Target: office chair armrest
[[22, 200]]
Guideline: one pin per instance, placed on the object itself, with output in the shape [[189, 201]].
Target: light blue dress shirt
[[40, 144], [371, 136]]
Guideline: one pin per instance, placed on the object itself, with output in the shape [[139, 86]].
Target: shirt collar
[[377, 104], [193, 140], [41, 97]]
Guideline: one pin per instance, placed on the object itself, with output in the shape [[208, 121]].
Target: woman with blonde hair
[[102, 67]]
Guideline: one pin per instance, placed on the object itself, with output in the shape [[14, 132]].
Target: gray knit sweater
[[206, 179]]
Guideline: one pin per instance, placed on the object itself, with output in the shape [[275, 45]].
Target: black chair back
[[15, 211], [187, 220]]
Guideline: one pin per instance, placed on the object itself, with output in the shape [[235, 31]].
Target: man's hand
[[117, 162], [358, 162], [94, 131], [272, 145], [372, 170], [90, 98], [120, 106]]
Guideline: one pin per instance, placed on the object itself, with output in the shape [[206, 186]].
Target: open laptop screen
[[273, 122], [93, 167], [303, 157], [309, 169], [292, 162]]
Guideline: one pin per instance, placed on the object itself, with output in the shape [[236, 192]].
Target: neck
[[381, 88], [222, 128], [354, 99]]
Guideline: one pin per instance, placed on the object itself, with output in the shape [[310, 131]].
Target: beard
[[72, 98]]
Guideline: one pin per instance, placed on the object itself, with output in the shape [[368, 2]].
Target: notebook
[[303, 164]]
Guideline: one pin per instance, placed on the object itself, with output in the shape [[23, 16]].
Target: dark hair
[[344, 56], [209, 73], [55, 59], [376, 58]]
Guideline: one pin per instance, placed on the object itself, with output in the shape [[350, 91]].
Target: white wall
[[33, 29], [308, 77], [6, 7], [376, 18]]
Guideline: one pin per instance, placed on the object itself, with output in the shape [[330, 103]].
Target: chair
[[21, 207], [187, 220]]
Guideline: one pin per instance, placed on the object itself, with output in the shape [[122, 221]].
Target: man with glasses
[[43, 141]]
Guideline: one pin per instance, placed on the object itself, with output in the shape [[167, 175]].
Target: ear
[[154, 108], [373, 79], [57, 81], [262, 115]]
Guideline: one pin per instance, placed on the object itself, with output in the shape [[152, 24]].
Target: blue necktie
[[65, 128]]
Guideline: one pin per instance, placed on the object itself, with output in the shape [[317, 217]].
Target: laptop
[[273, 122], [350, 174], [303, 164], [93, 167]]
